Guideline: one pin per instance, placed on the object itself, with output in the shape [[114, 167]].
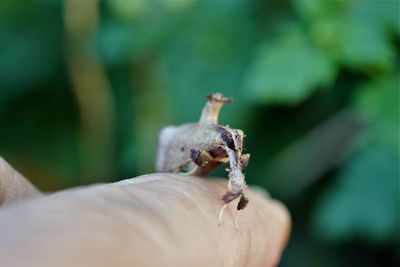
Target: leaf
[[179, 5], [355, 33], [365, 45], [288, 70], [30, 48], [377, 103], [128, 10], [364, 202]]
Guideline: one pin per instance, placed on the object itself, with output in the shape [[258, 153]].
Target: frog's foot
[[227, 198], [241, 205], [193, 171], [221, 212], [210, 113]]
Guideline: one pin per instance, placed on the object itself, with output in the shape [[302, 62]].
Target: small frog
[[198, 148]]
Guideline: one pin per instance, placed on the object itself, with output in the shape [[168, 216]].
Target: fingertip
[[270, 224], [264, 225]]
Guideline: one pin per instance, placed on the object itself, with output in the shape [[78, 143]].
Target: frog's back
[[176, 142]]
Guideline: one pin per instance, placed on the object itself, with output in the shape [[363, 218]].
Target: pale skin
[[152, 220]]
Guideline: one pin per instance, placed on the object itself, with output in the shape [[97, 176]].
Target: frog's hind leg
[[210, 113], [227, 198], [200, 162], [241, 205], [181, 167], [193, 171], [221, 212]]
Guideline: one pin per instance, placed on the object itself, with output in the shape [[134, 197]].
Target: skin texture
[[13, 186], [152, 220]]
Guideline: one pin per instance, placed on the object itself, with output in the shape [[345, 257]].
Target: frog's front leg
[[204, 162], [200, 156]]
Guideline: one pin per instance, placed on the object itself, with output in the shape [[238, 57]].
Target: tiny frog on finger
[[198, 148]]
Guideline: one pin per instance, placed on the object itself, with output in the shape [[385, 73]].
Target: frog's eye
[[226, 136], [195, 155]]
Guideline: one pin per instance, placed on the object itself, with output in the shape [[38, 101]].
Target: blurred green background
[[85, 87]]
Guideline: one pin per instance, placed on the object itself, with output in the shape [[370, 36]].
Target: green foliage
[[363, 202], [355, 33], [289, 69], [26, 59], [378, 104]]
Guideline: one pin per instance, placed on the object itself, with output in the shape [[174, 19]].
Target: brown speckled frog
[[198, 148]]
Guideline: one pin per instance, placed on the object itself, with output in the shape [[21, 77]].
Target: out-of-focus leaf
[[288, 70], [364, 45], [364, 202], [135, 41], [206, 56], [42, 138], [30, 48], [16, 51], [355, 33], [129, 9], [378, 104], [179, 5]]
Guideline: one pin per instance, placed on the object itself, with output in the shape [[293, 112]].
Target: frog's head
[[233, 138]]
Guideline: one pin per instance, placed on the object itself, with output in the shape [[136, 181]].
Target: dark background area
[[85, 87]]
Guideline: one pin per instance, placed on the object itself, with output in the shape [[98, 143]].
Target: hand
[[153, 220]]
